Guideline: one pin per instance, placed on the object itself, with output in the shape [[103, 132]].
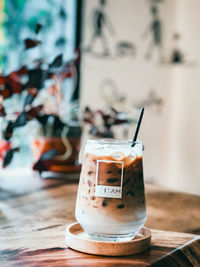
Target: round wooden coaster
[[78, 240]]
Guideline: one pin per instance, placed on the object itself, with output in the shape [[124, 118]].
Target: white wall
[[184, 166], [136, 77]]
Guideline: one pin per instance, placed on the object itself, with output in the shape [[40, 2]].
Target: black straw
[[138, 126]]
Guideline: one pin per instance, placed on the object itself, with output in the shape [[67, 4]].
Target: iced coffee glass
[[111, 201]]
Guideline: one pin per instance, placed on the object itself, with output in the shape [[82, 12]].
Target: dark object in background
[[108, 120], [29, 99], [62, 13], [52, 126], [38, 28], [176, 56], [37, 77], [44, 161], [57, 62], [156, 1], [125, 48], [155, 29], [2, 111], [30, 43], [61, 41], [21, 120], [99, 22], [8, 156]]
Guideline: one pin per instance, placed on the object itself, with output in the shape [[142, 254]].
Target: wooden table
[[34, 214]]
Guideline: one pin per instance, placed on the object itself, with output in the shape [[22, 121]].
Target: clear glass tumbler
[[111, 201]]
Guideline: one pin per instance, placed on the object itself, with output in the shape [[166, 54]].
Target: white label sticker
[[109, 172]]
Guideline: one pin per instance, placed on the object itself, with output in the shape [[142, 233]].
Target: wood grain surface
[[79, 241], [34, 214]]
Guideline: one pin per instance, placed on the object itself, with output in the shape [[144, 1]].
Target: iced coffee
[[110, 200]]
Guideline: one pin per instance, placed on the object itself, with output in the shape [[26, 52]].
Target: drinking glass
[[111, 200]]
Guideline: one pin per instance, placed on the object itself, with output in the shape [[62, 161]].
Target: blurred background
[[77, 69]]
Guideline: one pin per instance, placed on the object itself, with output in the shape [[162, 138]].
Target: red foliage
[[4, 147], [2, 111], [12, 83]]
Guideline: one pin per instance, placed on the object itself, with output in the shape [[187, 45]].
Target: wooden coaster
[[78, 240]]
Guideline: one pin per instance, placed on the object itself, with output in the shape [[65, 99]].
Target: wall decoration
[[177, 56], [154, 29], [151, 26], [152, 100], [125, 48], [110, 93], [156, 1], [100, 21]]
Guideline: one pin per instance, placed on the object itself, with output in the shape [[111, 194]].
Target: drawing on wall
[[154, 30], [177, 56], [110, 93], [125, 48], [152, 100], [156, 1], [100, 21]]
